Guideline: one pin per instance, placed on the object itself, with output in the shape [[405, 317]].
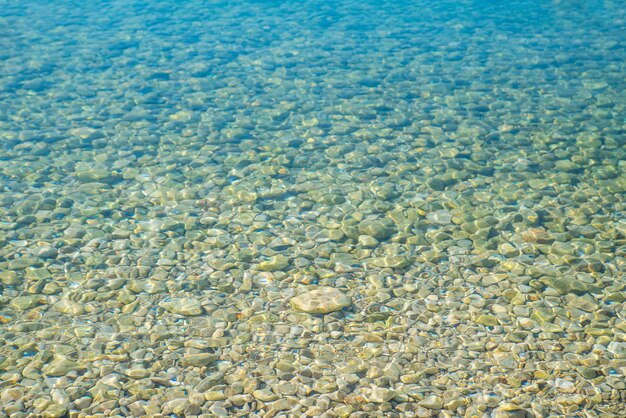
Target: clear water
[[457, 169]]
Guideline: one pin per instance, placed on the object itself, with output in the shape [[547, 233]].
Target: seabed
[[312, 209]]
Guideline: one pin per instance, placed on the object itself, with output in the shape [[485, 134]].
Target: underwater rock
[[323, 300], [183, 306]]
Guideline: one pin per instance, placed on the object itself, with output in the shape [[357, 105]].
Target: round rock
[[322, 300]]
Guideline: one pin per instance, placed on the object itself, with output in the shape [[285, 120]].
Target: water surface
[[173, 174]]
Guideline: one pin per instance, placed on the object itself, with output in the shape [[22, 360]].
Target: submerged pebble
[[323, 300]]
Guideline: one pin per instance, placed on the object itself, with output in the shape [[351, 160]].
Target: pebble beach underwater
[[329, 208]]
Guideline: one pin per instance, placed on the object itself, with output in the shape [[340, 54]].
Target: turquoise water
[[180, 182]]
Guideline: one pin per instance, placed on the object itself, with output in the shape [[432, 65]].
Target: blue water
[[456, 168]]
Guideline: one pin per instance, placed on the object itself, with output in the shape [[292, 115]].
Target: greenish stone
[[587, 372], [568, 284], [264, 395], [60, 366], [350, 231], [33, 273], [335, 235], [367, 241], [377, 317], [55, 411], [487, 320], [325, 384], [615, 297], [276, 263], [567, 165], [598, 332], [439, 183], [584, 303], [550, 327], [137, 373], [222, 264], [562, 248], [379, 229], [198, 360], [9, 277], [431, 402], [27, 302], [69, 307], [243, 255], [508, 250], [23, 262], [98, 175], [542, 315]]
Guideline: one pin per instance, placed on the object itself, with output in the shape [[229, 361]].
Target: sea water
[[312, 208]]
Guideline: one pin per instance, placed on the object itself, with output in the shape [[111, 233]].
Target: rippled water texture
[[312, 208]]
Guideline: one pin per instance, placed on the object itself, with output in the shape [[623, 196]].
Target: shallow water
[[173, 174]]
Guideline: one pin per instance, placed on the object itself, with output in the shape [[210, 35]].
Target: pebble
[[183, 306], [265, 395], [275, 263], [198, 360], [69, 307], [379, 394], [55, 411], [27, 302], [323, 300], [432, 402]]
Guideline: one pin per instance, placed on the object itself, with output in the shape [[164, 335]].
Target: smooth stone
[[367, 241], [585, 303], [565, 386], [218, 410], [276, 263], [344, 411], [379, 229], [568, 284], [69, 307], [392, 261], [61, 366], [432, 402], [441, 217], [22, 263], [538, 235], [322, 300], [11, 394], [508, 250], [198, 360], [326, 384], [183, 306], [9, 278], [240, 400], [215, 395], [97, 175], [265, 395], [40, 404], [27, 302], [379, 395], [137, 373], [35, 274], [55, 411], [487, 320], [617, 348], [82, 403], [284, 404]]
